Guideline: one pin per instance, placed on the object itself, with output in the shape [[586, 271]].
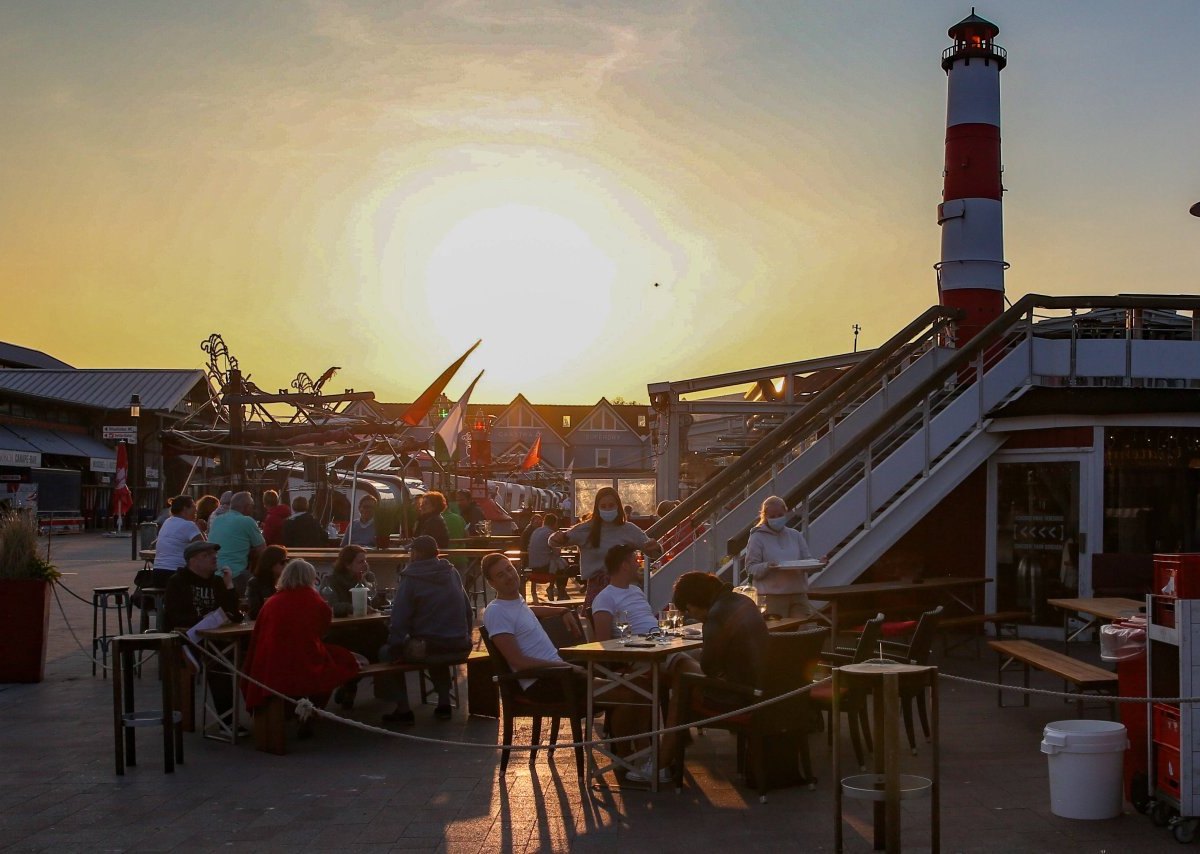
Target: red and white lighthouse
[[971, 272]]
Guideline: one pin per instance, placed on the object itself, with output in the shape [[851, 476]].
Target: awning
[[46, 441], [15, 451], [88, 447]]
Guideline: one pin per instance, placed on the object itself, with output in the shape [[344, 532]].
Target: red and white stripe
[[971, 272]]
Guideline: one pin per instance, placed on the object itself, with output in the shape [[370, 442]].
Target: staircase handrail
[[810, 414], [987, 337]]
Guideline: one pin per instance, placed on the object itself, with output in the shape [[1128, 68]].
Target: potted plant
[[25, 579]]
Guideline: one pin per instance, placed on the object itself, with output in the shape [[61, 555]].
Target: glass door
[[1039, 541]]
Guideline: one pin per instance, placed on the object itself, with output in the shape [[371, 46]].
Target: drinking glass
[[623, 624]]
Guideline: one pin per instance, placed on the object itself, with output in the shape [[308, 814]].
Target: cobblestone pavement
[[357, 791]]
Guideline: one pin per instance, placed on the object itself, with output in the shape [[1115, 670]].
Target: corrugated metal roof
[[101, 388], [24, 357]]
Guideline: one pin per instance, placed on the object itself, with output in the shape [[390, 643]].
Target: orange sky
[[359, 185]]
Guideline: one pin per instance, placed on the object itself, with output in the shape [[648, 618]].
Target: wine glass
[[623, 624]]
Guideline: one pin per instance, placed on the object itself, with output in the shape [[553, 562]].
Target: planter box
[[24, 627]]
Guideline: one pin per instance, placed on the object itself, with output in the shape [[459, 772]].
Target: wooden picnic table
[[875, 593], [1104, 609]]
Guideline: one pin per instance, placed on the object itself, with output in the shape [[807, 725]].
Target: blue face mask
[[777, 524], [608, 515]]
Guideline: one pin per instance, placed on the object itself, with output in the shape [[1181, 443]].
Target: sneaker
[[443, 713], [643, 774]]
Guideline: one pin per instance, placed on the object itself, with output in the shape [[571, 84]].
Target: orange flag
[[534, 456], [420, 407]]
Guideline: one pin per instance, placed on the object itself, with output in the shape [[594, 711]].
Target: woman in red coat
[[286, 650]]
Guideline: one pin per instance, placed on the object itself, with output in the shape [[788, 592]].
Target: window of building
[[603, 456], [566, 420], [602, 420], [641, 420]]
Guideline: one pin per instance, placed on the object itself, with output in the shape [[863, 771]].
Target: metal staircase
[[872, 454]]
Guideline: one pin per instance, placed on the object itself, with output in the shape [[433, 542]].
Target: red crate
[[1183, 568], [1162, 611], [1166, 725], [1166, 770]]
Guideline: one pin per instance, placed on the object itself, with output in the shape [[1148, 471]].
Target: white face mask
[[608, 515], [777, 524]]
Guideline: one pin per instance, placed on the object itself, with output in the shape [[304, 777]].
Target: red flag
[[534, 456], [420, 407], [122, 498]]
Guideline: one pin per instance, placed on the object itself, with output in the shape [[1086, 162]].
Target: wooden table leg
[[118, 723]]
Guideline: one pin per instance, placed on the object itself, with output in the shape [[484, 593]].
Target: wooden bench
[[270, 719], [1085, 677], [1008, 624]]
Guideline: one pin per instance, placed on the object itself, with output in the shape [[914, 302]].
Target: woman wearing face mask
[[784, 592], [606, 528]]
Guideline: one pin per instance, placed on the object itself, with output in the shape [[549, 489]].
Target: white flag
[[452, 426]]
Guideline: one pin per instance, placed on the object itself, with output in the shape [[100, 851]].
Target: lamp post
[[135, 413]]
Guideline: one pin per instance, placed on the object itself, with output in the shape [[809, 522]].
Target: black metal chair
[[852, 701], [918, 650], [515, 703], [791, 662]]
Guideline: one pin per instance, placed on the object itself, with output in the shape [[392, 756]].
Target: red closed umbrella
[[122, 498]]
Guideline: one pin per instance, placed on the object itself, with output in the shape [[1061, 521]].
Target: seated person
[[515, 631], [519, 636], [303, 531], [361, 531], [735, 644], [176, 532], [621, 594], [429, 518], [263, 582], [192, 593], [349, 570], [286, 649], [432, 608]]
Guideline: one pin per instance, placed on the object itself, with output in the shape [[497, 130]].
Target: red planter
[[24, 627]]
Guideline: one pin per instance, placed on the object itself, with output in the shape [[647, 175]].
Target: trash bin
[[147, 535], [1085, 760]]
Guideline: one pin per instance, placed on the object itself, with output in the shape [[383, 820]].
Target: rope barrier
[[305, 709]]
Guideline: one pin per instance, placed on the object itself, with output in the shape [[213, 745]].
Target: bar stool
[[105, 599], [126, 719]]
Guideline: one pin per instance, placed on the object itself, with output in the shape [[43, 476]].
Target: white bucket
[[1085, 767]]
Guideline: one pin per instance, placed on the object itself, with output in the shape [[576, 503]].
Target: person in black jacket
[[193, 592], [431, 607], [303, 531]]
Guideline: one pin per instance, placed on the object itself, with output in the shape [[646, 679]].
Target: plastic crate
[[1162, 611], [1183, 570], [1166, 725], [1166, 770]]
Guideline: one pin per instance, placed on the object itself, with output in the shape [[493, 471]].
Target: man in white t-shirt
[[621, 594], [516, 631]]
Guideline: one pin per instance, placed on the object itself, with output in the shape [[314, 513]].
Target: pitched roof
[[16, 356], [551, 413], [101, 388]]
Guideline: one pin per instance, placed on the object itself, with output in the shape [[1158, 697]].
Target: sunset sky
[[376, 185]]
